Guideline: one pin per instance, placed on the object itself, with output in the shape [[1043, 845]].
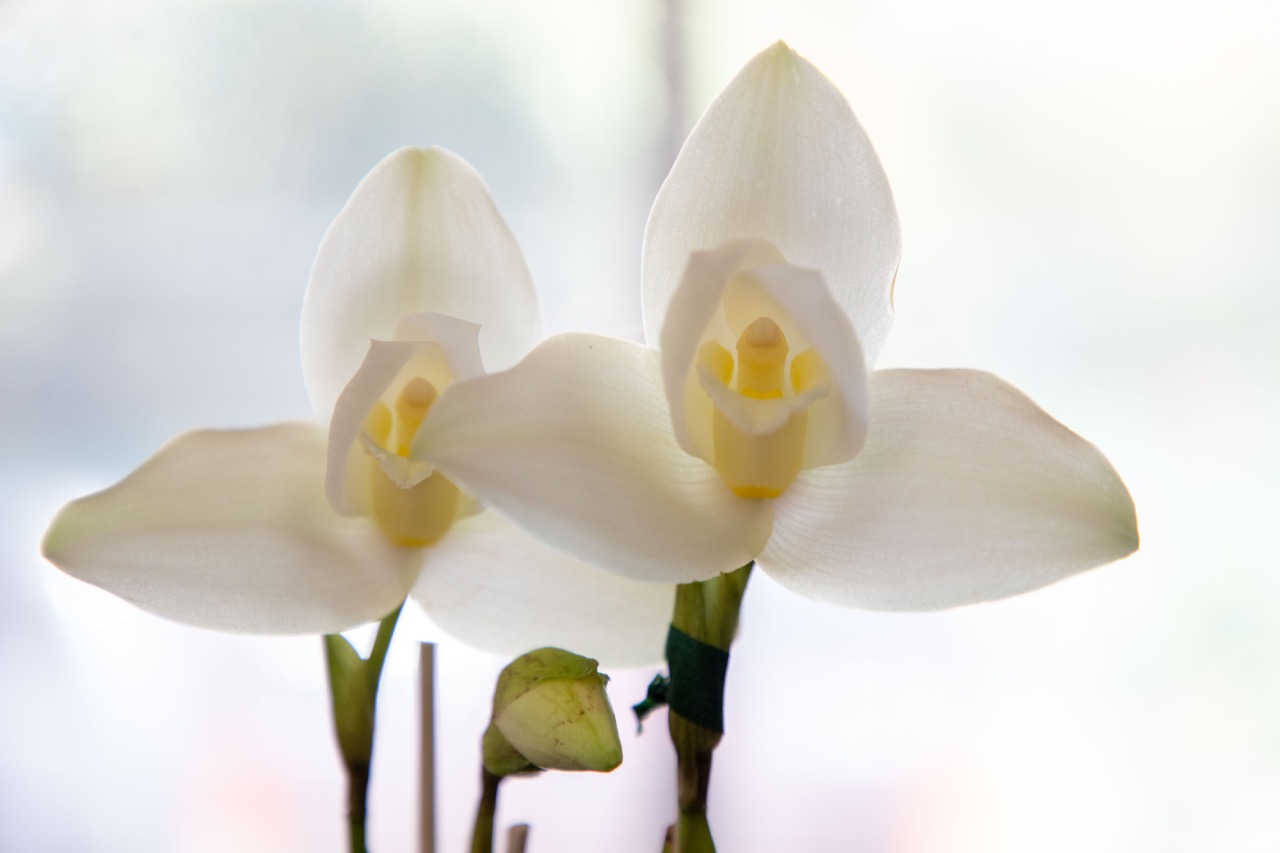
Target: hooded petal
[[965, 491], [420, 234], [230, 530], [575, 445], [493, 586], [434, 347], [779, 156], [696, 314], [720, 294], [349, 464]]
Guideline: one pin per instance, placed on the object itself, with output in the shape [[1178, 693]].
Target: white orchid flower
[[418, 286], [753, 431]]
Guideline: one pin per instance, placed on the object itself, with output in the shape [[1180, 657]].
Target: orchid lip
[[760, 424]]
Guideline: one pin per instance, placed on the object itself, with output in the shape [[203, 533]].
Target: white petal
[[779, 156], [491, 585], [420, 234], [230, 530], [575, 445], [966, 491]]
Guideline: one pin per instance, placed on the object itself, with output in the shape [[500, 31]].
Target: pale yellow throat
[[422, 513], [753, 464]]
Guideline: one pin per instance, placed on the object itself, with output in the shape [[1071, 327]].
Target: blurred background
[[1090, 199]]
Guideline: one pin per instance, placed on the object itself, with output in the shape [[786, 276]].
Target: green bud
[[550, 711]]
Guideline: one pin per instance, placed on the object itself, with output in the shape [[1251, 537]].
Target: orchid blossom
[[753, 432], [418, 286]]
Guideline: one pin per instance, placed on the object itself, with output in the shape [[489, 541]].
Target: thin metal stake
[[517, 838], [427, 807]]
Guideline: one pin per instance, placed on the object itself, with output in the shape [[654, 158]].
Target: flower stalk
[[482, 832], [353, 691], [706, 612]]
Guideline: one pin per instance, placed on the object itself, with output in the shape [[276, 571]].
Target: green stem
[[693, 833], [708, 612], [357, 808], [482, 834], [381, 642], [353, 692]]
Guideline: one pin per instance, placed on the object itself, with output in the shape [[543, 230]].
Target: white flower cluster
[[531, 494]]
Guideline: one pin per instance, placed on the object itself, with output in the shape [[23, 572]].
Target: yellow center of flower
[[422, 513], [757, 452]]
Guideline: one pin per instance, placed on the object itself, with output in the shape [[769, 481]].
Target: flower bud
[[550, 711]]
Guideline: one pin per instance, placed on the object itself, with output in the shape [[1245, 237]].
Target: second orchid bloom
[[750, 429]]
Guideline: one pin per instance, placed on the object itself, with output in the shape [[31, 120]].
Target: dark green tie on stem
[[703, 626]]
